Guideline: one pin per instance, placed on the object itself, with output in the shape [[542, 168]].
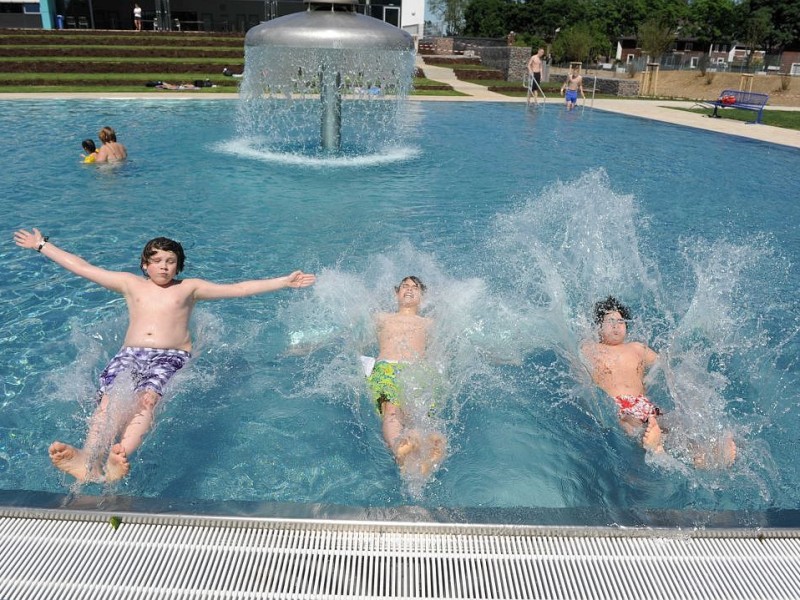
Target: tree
[[712, 21], [580, 43], [451, 12], [655, 38], [487, 18], [757, 28]]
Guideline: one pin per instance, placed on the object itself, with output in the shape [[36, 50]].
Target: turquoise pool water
[[517, 220]]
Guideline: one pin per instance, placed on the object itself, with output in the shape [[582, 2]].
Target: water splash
[[280, 109], [577, 242]]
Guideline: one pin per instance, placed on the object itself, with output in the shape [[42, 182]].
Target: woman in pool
[[111, 150]]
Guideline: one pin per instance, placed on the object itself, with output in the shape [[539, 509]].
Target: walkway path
[[657, 110]]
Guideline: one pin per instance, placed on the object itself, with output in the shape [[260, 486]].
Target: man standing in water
[[618, 368], [157, 345], [572, 86], [402, 341], [535, 74]]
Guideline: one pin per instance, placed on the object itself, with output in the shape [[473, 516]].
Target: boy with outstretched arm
[[157, 342]]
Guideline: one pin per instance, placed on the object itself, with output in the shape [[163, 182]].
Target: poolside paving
[[657, 110]]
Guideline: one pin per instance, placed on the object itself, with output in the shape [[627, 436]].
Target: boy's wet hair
[[89, 146], [162, 243], [609, 305], [413, 278]]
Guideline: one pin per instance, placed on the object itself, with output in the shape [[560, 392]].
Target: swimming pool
[[518, 220]]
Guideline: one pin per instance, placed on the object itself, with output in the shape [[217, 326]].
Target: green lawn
[[777, 118]]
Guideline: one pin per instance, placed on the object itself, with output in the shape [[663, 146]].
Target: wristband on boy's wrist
[[42, 243]]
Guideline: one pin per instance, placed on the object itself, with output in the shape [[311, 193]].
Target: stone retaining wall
[[625, 88], [510, 60]]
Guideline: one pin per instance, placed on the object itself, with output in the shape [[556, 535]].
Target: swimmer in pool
[[618, 368], [111, 150], [402, 341], [157, 343], [572, 86], [90, 149]]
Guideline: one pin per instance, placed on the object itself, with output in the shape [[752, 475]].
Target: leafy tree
[[757, 28], [712, 21], [655, 38], [487, 18], [451, 12], [580, 43], [784, 22]]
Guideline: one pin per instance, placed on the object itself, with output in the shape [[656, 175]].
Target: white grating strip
[[80, 556]]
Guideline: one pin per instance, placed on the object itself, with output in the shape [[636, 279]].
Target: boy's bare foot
[[651, 440], [728, 450], [436, 448], [117, 465], [69, 459], [404, 448], [723, 455]]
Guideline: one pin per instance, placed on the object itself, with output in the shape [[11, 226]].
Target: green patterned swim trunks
[[383, 384]]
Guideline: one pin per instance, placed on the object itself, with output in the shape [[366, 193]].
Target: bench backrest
[[742, 97]]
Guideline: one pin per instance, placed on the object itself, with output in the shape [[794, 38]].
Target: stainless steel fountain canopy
[[331, 24], [337, 36]]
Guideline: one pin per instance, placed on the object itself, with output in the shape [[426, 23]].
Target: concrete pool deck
[[657, 110]]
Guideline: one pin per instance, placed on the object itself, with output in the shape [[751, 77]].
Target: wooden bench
[[740, 99]]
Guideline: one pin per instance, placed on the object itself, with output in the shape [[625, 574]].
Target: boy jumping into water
[[402, 340], [157, 343], [618, 368]]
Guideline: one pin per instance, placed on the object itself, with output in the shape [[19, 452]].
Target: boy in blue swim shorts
[[572, 86], [157, 344]]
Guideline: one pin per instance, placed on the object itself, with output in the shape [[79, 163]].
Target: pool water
[[517, 220]]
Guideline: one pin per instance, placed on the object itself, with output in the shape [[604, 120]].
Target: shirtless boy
[[618, 368], [535, 73], [157, 343], [571, 87], [402, 340]]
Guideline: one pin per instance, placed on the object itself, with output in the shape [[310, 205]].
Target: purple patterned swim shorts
[[150, 368]]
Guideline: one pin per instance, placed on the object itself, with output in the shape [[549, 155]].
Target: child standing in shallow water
[[157, 343]]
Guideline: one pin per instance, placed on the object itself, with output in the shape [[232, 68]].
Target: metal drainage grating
[[84, 557]]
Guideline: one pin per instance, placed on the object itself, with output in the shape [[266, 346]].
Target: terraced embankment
[[79, 60]]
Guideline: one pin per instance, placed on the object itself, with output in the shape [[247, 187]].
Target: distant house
[[684, 53], [790, 62]]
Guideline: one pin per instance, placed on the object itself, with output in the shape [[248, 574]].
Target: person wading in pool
[[618, 368], [402, 341], [157, 343], [111, 150], [572, 86]]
